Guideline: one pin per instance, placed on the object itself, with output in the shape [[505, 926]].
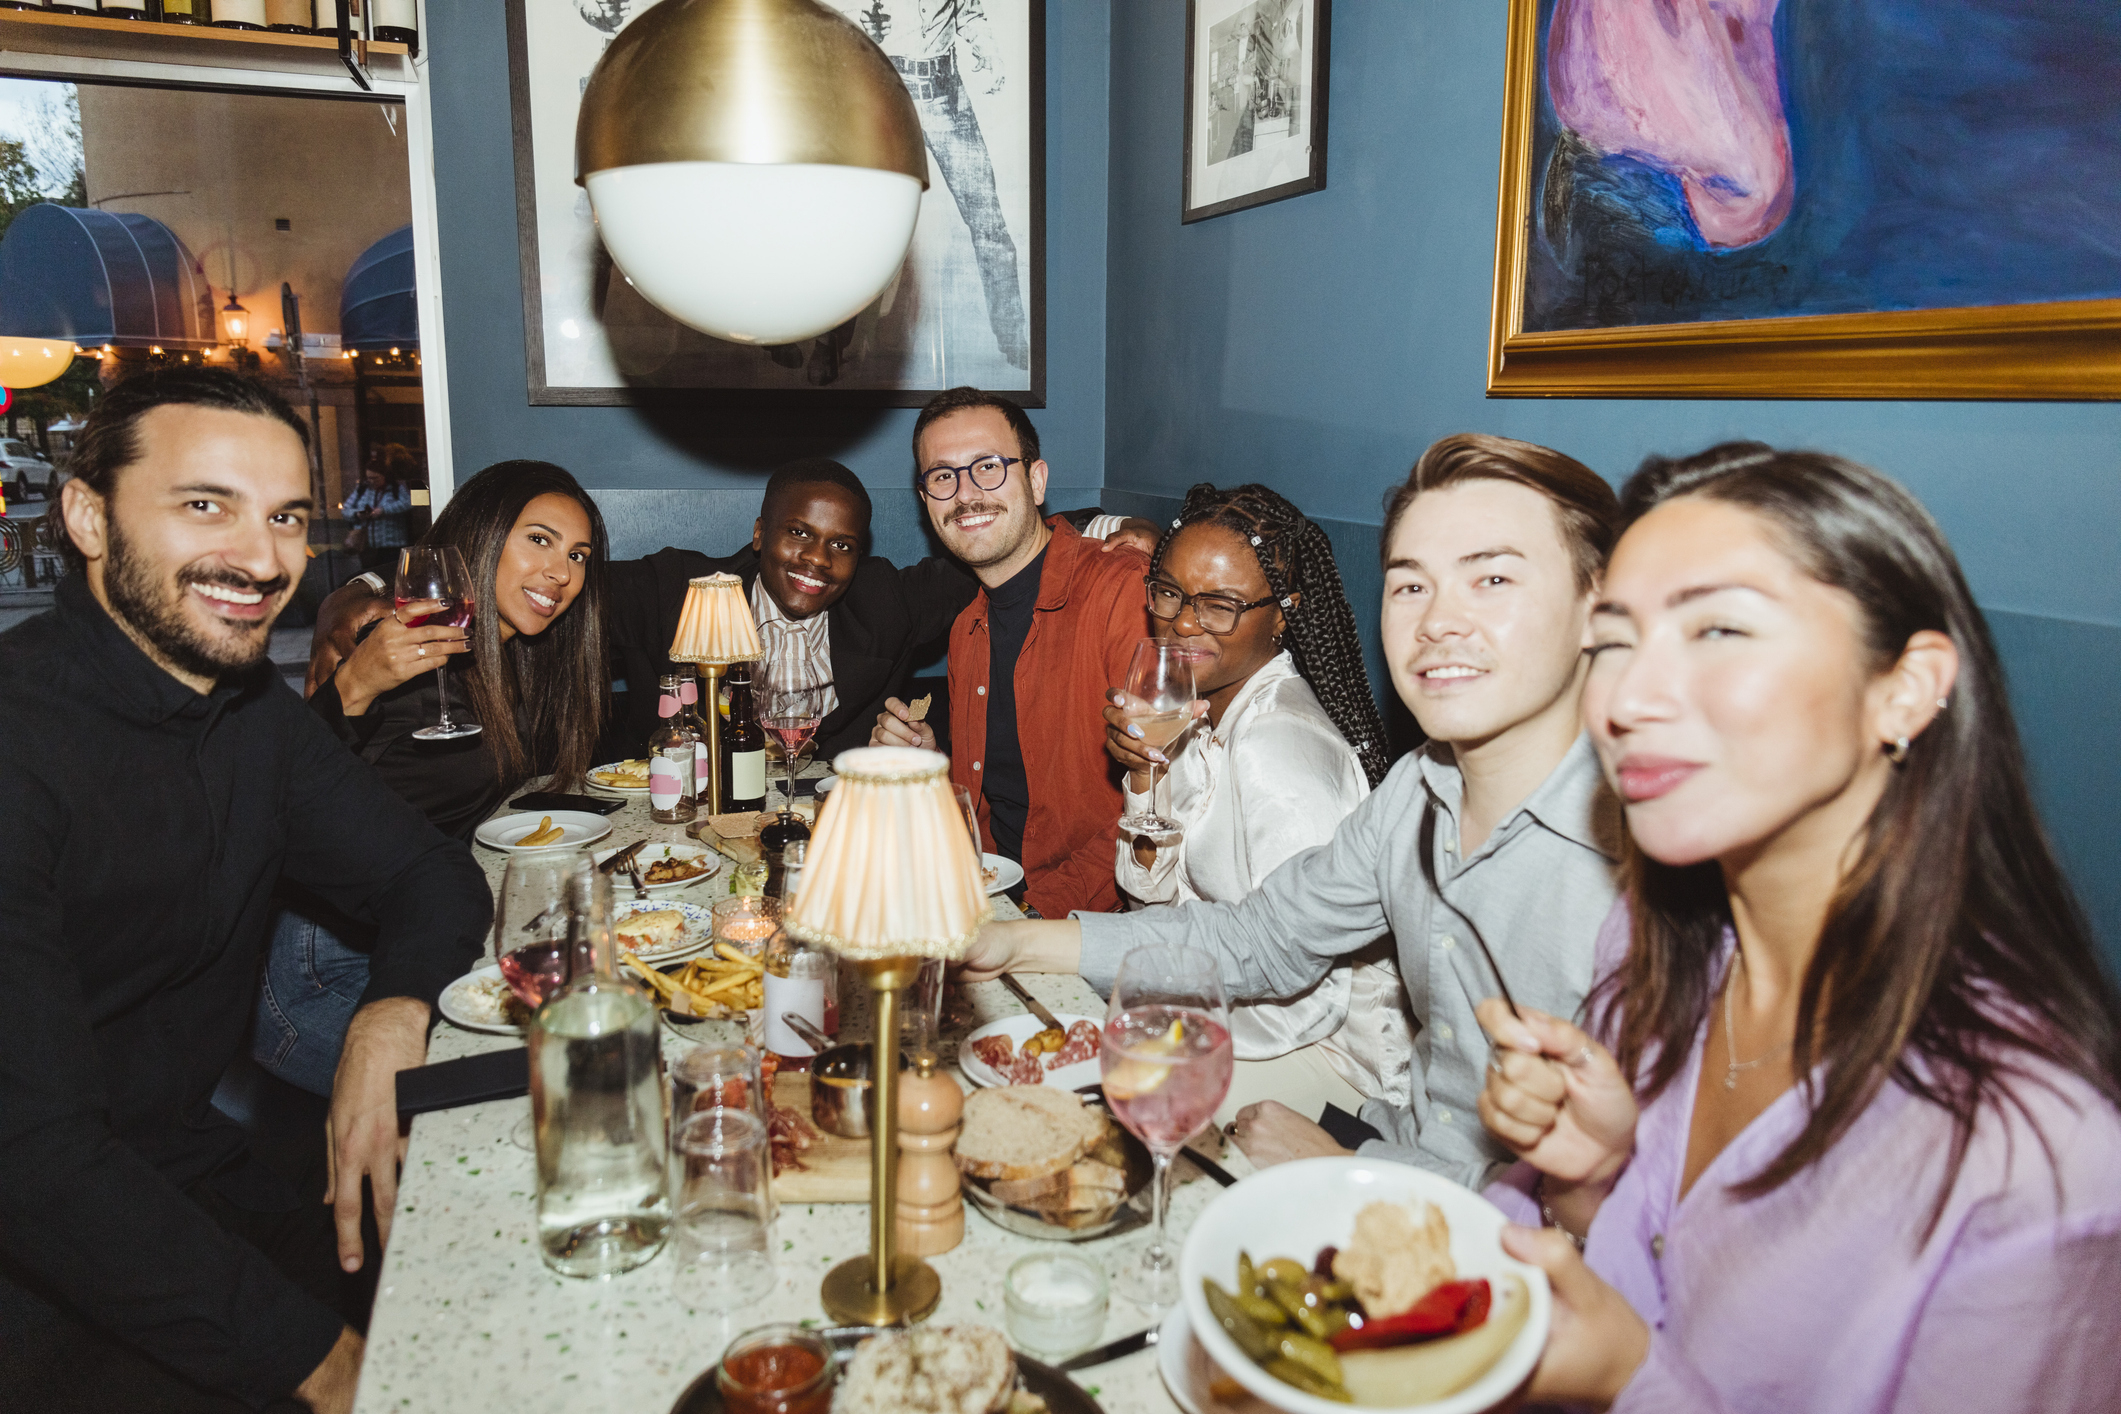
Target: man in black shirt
[[159, 778]]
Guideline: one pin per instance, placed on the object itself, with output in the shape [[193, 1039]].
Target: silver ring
[[421, 651]]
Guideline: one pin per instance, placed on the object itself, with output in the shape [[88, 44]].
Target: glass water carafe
[[596, 1095]]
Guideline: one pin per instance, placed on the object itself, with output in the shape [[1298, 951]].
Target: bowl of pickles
[[1330, 1283]]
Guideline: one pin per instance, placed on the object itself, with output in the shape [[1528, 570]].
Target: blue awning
[[101, 277], [377, 309]]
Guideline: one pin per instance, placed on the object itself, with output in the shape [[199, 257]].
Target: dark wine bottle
[[743, 746]]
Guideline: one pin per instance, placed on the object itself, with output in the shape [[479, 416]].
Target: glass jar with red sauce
[[780, 1369]]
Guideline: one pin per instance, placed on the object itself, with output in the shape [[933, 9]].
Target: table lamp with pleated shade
[[715, 629], [891, 878]]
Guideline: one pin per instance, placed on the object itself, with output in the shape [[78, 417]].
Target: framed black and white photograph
[[1255, 102], [967, 307]]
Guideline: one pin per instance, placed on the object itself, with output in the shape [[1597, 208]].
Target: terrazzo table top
[[467, 1318]]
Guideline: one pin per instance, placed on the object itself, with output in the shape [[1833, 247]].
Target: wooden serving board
[[836, 1170]]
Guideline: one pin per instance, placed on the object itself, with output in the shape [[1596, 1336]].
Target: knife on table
[[1036, 1007], [1112, 1350]]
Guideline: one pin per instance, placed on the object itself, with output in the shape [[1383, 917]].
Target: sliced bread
[[1079, 1180], [929, 1370], [1025, 1131]]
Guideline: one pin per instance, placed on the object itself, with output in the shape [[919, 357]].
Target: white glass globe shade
[[756, 253]]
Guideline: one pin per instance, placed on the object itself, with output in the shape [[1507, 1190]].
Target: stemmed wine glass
[[1166, 1061], [791, 711], [437, 572], [1159, 691], [534, 931]]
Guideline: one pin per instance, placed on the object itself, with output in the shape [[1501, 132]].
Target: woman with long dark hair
[[1843, 1132], [1290, 743], [534, 671]]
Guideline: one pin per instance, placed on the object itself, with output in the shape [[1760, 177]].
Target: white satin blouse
[[1273, 780]]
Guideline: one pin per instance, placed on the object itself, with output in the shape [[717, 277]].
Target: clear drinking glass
[[437, 572], [790, 711], [964, 803], [1166, 1061], [715, 1077], [724, 1209], [535, 932], [1159, 689]]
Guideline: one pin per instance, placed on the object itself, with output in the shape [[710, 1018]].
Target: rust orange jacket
[[1091, 611]]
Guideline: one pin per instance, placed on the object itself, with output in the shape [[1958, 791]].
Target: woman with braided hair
[[1290, 743]]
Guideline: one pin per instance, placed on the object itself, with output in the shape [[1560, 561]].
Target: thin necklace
[[1730, 1038]]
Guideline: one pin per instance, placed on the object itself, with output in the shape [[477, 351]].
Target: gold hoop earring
[[1896, 750]]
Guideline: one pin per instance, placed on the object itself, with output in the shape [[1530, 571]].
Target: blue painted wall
[[1320, 343], [722, 459]]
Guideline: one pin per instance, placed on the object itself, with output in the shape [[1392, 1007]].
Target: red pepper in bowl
[[1452, 1307]]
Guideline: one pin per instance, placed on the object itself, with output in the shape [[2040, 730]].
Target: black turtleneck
[[1009, 607]]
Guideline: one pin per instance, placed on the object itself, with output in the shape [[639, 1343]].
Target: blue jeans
[[313, 982]]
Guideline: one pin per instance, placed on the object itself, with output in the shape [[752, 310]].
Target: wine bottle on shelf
[[325, 18], [671, 799], [743, 746], [396, 22], [187, 12], [124, 10], [288, 16], [68, 9], [239, 14]]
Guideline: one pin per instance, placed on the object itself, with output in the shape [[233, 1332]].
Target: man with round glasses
[[1052, 628]]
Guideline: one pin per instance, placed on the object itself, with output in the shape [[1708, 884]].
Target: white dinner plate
[[696, 939], [650, 853], [1190, 1373], [577, 826], [473, 1002], [1007, 873], [596, 785], [1020, 1029]]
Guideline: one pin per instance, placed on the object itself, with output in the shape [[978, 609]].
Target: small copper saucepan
[[842, 1097]]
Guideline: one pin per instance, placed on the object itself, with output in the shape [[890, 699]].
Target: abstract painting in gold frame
[[2019, 344]]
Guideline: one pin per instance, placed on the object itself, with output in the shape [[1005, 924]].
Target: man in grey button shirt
[[1493, 552]]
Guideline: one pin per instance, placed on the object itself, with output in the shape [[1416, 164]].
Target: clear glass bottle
[[799, 979], [596, 1097], [702, 776], [743, 745], [672, 759]]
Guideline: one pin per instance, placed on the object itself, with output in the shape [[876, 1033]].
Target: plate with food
[[1049, 1163], [667, 866], [926, 1370], [513, 834], [620, 777], [1020, 1050], [719, 984], [1001, 873], [1325, 1282], [822, 787], [661, 930], [480, 1001]]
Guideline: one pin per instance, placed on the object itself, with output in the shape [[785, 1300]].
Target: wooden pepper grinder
[[931, 1212]]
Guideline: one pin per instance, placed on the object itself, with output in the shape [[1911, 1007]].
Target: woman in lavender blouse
[[1844, 1132]]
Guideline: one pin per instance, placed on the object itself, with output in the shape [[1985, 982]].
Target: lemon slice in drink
[[1134, 1077]]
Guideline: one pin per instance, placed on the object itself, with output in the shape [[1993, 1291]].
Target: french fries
[[723, 984], [545, 833]]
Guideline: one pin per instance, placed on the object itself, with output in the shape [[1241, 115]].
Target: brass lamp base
[[850, 1296]]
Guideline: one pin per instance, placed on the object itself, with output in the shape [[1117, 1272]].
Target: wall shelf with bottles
[[52, 32]]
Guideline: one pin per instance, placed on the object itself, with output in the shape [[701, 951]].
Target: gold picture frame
[[2068, 350]]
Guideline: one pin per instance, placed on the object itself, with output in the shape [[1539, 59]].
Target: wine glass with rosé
[[436, 574], [1159, 705], [1167, 1061], [790, 711]]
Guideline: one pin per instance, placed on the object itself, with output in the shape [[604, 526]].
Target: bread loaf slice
[[1025, 1132], [1084, 1177]]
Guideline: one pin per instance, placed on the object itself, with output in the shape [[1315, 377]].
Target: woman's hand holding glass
[[393, 653], [1126, 743]]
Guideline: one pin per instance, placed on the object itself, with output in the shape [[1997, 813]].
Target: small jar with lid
[[1056, 1303]]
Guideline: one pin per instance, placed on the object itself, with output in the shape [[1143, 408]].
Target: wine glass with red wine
[[790, 711], [437, 572], [533, 928]]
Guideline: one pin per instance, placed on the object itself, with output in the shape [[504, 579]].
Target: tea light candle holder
[[746, 922], [1056, 1303]]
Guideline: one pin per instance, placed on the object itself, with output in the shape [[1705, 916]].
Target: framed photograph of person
[[1809, 199], [967, 307], [1255, 102]]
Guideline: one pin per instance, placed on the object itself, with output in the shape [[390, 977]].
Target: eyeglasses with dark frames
[[1215, 613], [942, 483]]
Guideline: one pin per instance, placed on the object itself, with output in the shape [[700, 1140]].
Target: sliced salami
[[997, 1051], [1025, 1070], [1082, 1045]]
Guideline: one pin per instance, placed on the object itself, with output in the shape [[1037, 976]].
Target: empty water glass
[[724, 1217], [921, 1014], [714, 1077]]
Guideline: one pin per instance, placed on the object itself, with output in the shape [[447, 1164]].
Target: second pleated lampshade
[[716, 625]]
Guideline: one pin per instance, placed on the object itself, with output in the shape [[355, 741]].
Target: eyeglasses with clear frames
[[1213, 612], [941, 483]]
